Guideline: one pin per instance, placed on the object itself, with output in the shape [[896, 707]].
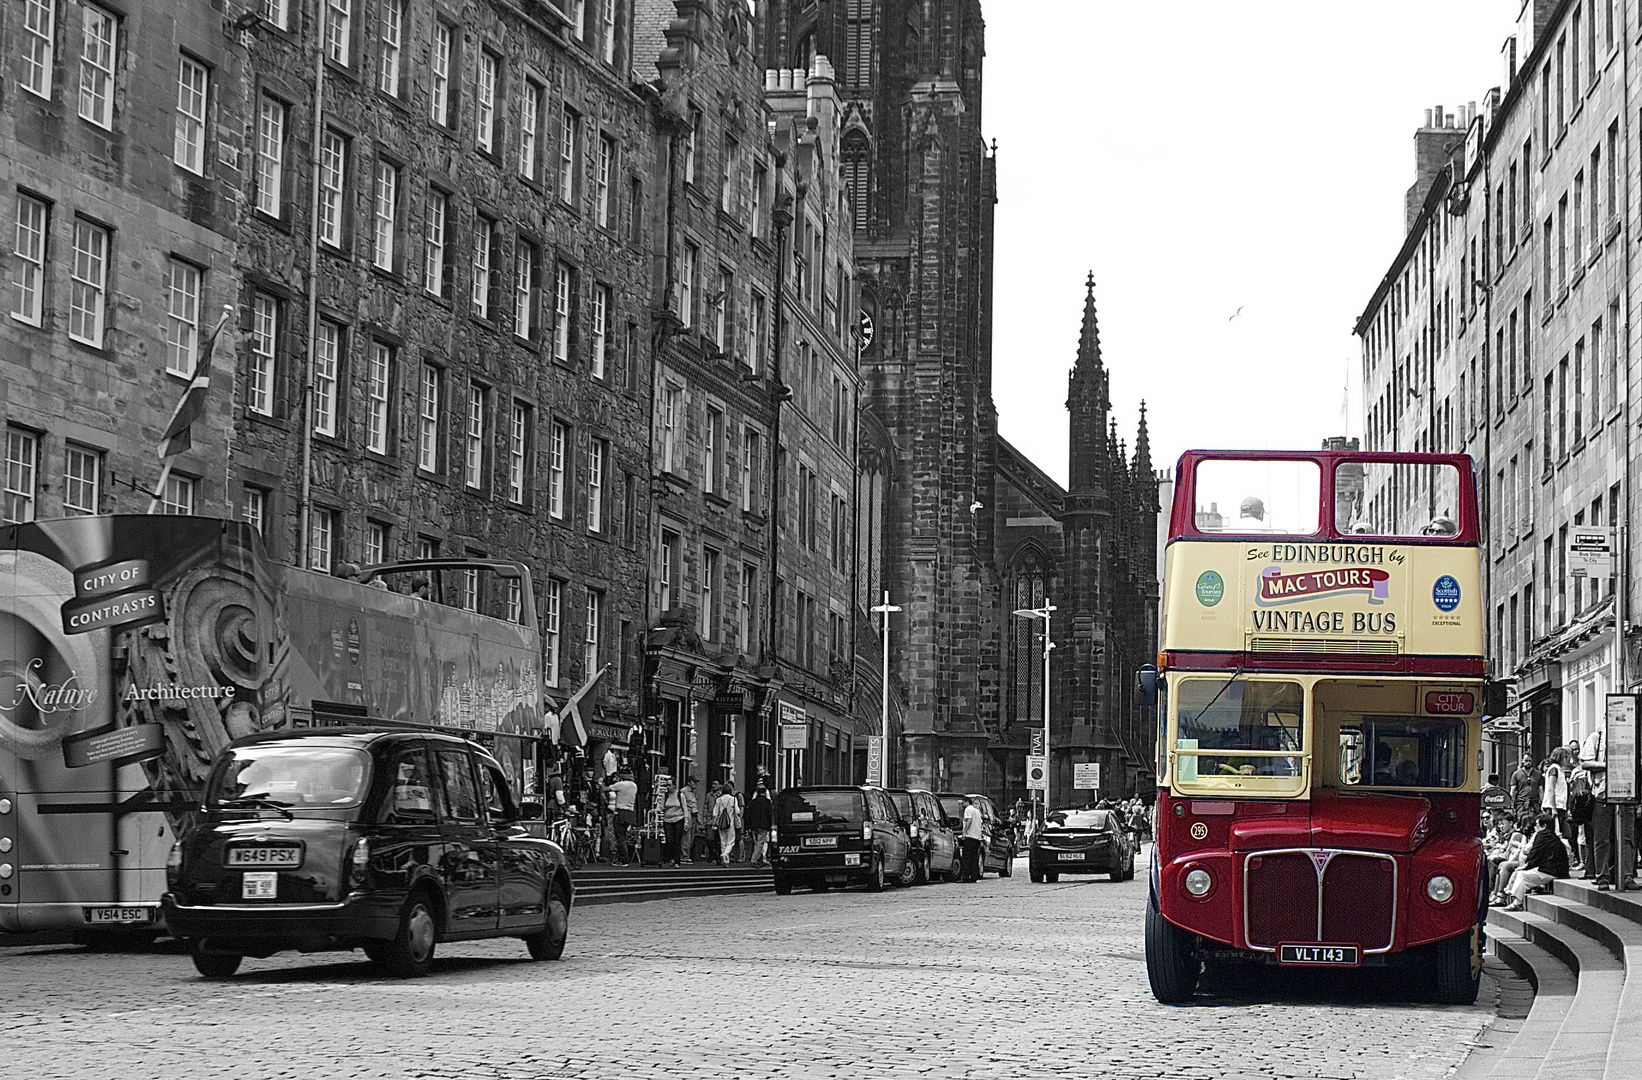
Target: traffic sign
[[1590, 551], [1037, 778]]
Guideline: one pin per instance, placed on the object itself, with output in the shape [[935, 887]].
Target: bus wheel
[[1459, 968], [215, 965], [1172, 965]]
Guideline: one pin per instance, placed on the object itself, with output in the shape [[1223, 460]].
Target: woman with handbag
[[673, 814]]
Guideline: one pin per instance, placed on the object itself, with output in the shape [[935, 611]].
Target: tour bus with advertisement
[[1319, 698], [134, 648]]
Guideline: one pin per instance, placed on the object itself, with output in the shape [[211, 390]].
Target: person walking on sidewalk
[[673, 815], [760, 818], [970, 841], [626, 795], [1547, 860], [1525, 788], [692, 815], [725, 812]]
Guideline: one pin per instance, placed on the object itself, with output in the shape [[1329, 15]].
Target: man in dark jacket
[[1525, 787], [758, 819], [1547, 860]]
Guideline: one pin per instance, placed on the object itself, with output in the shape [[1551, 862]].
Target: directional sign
[[1037, 778], [1590, 551]]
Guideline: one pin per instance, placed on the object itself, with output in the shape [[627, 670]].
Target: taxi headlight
[[1198, 882], [5, 869], [1440, 888]]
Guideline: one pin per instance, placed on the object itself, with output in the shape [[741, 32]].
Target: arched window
[[857, 163], [1026, 653], [858, 45]]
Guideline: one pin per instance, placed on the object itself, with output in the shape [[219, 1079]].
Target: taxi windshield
[[289, 775]]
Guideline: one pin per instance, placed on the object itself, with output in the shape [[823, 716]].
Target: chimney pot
[[1427, 119]]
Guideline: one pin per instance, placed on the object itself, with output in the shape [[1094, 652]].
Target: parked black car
[[935, 852], [1082, 842], [838, 835], [997, 834], [342, 838]]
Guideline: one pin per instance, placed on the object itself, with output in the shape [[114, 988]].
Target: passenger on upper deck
[[1251, 515]]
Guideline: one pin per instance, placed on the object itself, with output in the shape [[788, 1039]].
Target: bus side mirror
[[1493, 698], [1148, 686]]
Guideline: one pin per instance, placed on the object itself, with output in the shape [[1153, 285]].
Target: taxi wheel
[[215, 965], [410, 954], [1037, 877], [783, 885], [909, 872], [376, 951], [875, 877], [1051, 876], [549, 944], [922, 874], [1008, 867]]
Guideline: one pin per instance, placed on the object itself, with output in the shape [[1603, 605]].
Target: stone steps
[[603, 884], [1582, 950]]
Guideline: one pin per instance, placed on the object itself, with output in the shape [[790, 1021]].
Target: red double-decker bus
[[1319, 699]]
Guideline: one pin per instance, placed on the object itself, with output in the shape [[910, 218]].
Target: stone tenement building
[[935, 476], [1500, 330]]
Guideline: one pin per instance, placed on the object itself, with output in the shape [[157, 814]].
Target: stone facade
[[1500, 331], [935, 479]]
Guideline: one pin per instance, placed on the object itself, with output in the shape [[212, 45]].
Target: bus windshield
[[1258, 723], [1403, 751]]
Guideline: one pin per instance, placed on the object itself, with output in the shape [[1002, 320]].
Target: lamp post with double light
[[885, 609], [1048, 646]]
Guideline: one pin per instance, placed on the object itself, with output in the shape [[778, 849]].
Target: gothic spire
[[1089, 339], [1143, 447]]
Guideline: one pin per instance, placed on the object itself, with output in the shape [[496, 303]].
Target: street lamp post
[[883, 728], [1048, 646]]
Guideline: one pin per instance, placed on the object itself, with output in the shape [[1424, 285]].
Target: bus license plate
[[262, 855], [259, 885], [1318, 955], [820, 841], [120, 915], [1070, 856]]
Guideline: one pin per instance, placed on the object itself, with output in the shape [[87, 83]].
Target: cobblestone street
[[1006, 979]]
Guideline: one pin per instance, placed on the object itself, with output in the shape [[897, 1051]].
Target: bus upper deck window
[[1280, 496]]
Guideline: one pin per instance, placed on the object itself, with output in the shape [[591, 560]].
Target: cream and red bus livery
[[1319, 699]]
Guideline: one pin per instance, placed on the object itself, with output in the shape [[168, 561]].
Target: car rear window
[[292, 774], [953, 805], [820, 807], [1081, 819]]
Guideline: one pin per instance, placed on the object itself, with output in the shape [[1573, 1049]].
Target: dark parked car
[[934, 836], [388, 841], [838, 835], [997, 834], [1082, 842]]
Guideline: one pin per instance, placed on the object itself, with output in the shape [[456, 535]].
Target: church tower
[[921, 187]]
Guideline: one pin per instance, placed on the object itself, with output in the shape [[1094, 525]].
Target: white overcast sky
[[1200, 156]]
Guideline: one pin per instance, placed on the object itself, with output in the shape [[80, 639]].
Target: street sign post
[[1590, 551], [1621, 748], [1037, 776], [1086, 776]]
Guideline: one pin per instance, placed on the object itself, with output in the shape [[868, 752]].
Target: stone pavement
[[1002, 979]]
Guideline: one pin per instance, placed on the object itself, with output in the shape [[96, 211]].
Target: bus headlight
[[5, 806], [1198, 882], [1440, 888], [5, 844]]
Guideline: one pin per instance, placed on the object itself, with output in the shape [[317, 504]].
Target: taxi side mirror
[[1148, 686]]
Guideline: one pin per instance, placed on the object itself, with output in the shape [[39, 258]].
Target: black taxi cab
[[838, 835], [343, 838]]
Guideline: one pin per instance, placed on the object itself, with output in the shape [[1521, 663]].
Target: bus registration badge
[[1319, 955]]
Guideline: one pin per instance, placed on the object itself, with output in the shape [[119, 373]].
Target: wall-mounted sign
[[1086, 776], [795, 736]]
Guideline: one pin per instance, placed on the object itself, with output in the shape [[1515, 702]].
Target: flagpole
[[159, 489]]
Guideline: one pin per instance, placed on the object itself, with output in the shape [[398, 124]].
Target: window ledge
[[1578, 276], [1613, 229]]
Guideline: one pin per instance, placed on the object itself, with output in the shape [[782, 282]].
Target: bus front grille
[[1303, 895]]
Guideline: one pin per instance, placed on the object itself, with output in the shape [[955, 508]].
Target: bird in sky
[[1236, 313]]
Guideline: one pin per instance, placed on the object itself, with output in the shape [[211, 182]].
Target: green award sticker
[[1210, 588]]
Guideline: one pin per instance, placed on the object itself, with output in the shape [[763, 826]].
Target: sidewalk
[[601, 883]]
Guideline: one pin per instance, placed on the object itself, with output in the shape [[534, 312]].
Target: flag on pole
[[192, 403]]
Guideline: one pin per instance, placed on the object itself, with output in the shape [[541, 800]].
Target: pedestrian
[[707, 841], [625, 795], [1547, 860], [1524, 787], [760, 818], [1581, 807], [1554, 790], [970, 841], [692, 815], [609, 851], [725, 811], [1593, 754], [673, 814]]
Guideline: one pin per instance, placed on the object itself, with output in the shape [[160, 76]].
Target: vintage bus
[[1319, 697], [134, 648]]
